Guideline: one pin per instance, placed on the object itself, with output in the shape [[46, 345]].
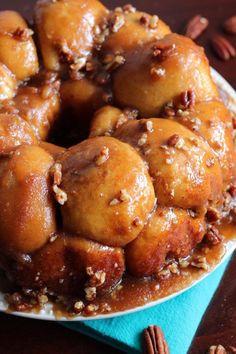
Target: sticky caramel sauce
[[133, 293]]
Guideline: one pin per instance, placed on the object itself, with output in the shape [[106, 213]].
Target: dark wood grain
[[23, 336], [218, 325]]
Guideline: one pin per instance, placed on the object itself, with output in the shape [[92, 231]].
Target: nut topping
[[200, 262], [103, 156], [157, 73], [113, 62], [116, 22], [196, 26], [188, 99], [153, 22], [223, 48], [162, 52], [124, 196], [154, 340], [56, 171], [78, 307], [128, 8], [144, 20], [213, 235], [22, 34], [232, 191], [172, 141], [60, 195], [90, 293], [143, 139]]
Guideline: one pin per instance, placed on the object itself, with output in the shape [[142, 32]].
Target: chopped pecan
[[91, 309], [213, 235], [130, 113], [22, 34], [196, 26], [212, 214], [223, 48], [232, 191], [153, 22], [230, 25], [144, 20], [112, 62], [116, 22], [154, 341], [200, 263], [234, 122], [103, 156], [78, 307], [173, 139], [187, 99], [157, 73], [64, 52], [162, 51], [128, 8]]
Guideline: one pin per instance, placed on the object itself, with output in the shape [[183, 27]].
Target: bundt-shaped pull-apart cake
[[117, 158]]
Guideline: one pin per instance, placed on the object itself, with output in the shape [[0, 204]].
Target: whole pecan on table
[[223, 48], [154, 341], [230, 25], [196, 26], [217, 349]]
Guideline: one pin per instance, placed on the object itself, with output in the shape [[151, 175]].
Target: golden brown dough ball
[[63, 266], [132, 29], [27, 216], [156, 72], [185, 171], [107, 119], [17, 49], [8, 84], [109, 191], [66, 30], [39, 106], [213, 121], [14, 131], [90, 257], [170, 232]]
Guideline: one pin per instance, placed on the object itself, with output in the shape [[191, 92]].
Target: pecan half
[[230, 25], [161, 51], [217, 349], [187, 99], [223, 48], [154, 341], [196, 26]]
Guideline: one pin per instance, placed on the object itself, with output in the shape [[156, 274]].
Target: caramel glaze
[[131, 292], [135, 292]]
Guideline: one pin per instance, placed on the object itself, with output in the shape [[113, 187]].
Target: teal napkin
[[178, 318]]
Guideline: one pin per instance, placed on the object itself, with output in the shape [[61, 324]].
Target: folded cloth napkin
[[178, 318]]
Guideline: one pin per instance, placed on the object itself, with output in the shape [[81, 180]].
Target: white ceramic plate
[[47, 312]]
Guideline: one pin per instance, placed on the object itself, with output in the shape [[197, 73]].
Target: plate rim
[[47, 313]]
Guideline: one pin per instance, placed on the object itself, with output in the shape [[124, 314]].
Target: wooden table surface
[[24, 336]]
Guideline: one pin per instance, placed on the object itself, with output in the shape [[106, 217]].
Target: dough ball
[[109, 192]]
